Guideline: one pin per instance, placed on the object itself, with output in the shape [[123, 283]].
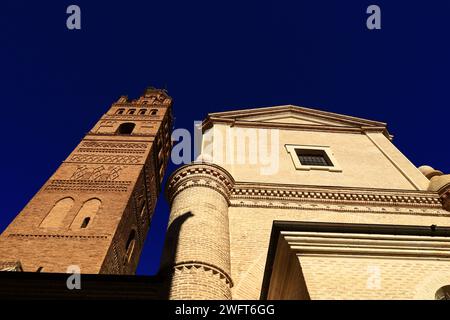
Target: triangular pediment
[[294, 115]]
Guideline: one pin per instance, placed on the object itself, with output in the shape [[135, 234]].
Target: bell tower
[[96, 209]]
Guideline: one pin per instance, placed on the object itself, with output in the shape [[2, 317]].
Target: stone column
[[197, 249]]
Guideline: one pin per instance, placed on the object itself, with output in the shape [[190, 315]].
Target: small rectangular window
[[313, 158], [309, 157]]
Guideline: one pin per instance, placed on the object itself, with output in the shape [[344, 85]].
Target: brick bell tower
[[96, 209]]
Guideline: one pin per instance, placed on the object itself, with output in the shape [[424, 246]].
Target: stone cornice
[[418, 247], [199, 175], [344, 209], [343, 123], [320, 114], [285, 196], [208, 123], [336, 195]]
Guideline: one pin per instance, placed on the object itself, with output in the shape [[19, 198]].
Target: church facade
[[345, 215]]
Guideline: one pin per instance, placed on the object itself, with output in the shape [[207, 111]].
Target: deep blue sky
[[214, 56]]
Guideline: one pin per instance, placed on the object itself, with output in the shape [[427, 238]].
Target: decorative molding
[[284, 196], [186, 267], [436, 212], [354, 244], [97, 173], [113, 145], [445, 198], [344, 123], [336, 195], [57, 236], [105, 158], [200, 175], [88, 185], [125, 151]]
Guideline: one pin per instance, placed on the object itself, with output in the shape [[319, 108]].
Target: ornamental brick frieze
[[338, 196], [204, 175], [57, 236], [134, 117], [105, 158], [297, 205], [195, 267]]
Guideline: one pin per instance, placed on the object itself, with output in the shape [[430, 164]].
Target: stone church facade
[[345, 216]]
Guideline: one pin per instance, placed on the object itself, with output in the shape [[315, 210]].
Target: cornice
[[336, 195], [341, 208], [379, 245], [210, 121], [58, 236], [345, 124], [199, 175], [297, 109], [285, 196]]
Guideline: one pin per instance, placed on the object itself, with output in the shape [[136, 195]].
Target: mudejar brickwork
[[96, 209]]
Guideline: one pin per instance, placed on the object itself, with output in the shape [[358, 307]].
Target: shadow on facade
[[170, 253]]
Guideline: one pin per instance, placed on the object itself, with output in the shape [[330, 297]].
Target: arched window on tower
[[55, 217], [120, 111], [153, 112], [85, 223], [126, 128], [86, 214], [132, 111], [129, 248], [443, 293], [142, 112]]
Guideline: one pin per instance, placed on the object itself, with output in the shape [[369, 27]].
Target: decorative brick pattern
[[92, 158], [88, 186]]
